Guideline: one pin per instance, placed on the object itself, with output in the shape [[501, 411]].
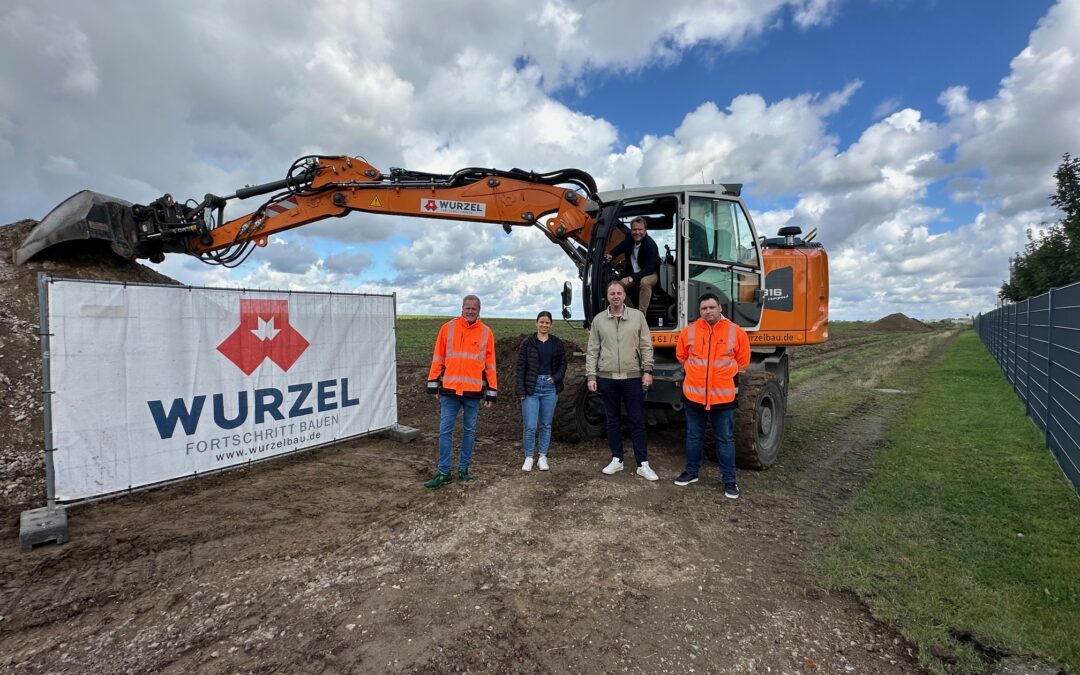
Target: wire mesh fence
[[1037, 344]]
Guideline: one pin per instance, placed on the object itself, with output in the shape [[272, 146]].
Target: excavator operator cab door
[[722, 256]]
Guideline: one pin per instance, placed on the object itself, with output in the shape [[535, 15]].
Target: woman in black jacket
[[541, 368]]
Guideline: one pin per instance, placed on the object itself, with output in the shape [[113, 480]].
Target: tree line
[[1053, 258]]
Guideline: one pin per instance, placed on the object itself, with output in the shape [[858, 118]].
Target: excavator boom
[[315, 188]]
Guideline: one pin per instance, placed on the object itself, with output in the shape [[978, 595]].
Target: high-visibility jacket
[[711, 357], [464, 361]]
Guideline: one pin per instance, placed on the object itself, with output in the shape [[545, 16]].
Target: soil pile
[[900, 322], [22, 467]]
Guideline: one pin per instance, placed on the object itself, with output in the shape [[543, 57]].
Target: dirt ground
[[338, 561]]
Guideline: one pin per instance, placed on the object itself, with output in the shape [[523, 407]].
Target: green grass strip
[[968, 526], [416, 334]]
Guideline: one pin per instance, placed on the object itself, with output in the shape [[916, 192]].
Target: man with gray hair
[[462, 374]]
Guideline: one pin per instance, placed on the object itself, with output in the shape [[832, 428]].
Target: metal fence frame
[[1037, 344]]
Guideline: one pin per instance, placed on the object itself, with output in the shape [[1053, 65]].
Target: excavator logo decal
[[264, 332], [454, 207]]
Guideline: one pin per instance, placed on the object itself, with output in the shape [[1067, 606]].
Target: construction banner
[[154, 383]]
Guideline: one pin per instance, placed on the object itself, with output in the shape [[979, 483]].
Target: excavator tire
[[759, 420], [578, 414]]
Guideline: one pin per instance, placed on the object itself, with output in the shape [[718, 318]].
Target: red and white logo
[[453, 207], [264, 332]]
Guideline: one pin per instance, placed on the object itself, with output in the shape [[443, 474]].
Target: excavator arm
[[319, 187]]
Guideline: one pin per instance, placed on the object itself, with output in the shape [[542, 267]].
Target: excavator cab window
[[724, 258]]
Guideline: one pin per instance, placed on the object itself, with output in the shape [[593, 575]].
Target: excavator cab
[[707, 243]]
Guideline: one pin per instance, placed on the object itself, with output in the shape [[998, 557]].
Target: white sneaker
[[527, 466], [646, 472], [542, 464], [614, 467]]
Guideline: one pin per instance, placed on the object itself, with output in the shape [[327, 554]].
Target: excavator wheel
[[759, 420], [579, 414]]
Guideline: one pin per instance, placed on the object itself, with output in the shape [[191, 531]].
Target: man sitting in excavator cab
[[654, 220], [642, 264]]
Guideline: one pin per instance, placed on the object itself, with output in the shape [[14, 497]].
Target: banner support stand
[[49, 523]]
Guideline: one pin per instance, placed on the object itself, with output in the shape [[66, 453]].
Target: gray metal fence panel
[[1040, 355], [1063, 433], [1023, 352], [1037, 344]]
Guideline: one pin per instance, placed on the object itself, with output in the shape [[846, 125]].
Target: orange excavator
[[775, 288]]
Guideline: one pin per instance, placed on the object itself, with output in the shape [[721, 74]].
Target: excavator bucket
[[84, 215]]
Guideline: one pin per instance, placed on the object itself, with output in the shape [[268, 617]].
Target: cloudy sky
[[919, 136]]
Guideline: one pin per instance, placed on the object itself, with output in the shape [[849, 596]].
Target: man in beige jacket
[[618, 364]]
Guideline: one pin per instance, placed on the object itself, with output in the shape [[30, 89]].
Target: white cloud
[[64, 50], [886, 107], [1015, 139], [231, 95], [60, 165], [348, 263]]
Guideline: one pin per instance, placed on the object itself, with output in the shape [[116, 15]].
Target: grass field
[[416, 334], [968, 536]]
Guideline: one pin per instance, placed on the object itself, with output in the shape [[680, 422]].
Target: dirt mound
[[901, 322], [22, 473]]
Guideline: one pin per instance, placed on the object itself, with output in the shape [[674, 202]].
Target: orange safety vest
[[712, 356], [464, 360]]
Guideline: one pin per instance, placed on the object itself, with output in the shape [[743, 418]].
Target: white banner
[[152, 383]]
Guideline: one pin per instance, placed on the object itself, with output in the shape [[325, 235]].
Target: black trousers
[[618, 394]]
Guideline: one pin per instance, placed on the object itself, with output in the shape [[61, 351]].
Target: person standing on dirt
[[642, 262], [712, 350], [541, 366], [462, 373], [619, 363]]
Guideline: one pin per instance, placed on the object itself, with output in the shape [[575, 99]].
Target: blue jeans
[[723, 437], [537, 410], [449, 407], [618, 394]]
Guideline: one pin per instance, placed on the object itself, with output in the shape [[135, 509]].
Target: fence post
[[1049, 363], [1012, 346], [44, 331], [1027, 358]]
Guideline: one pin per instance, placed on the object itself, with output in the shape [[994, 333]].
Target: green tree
[[1053, 259]]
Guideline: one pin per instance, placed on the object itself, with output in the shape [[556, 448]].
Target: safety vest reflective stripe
[[457, 379], [714, 392], [697, 362]]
